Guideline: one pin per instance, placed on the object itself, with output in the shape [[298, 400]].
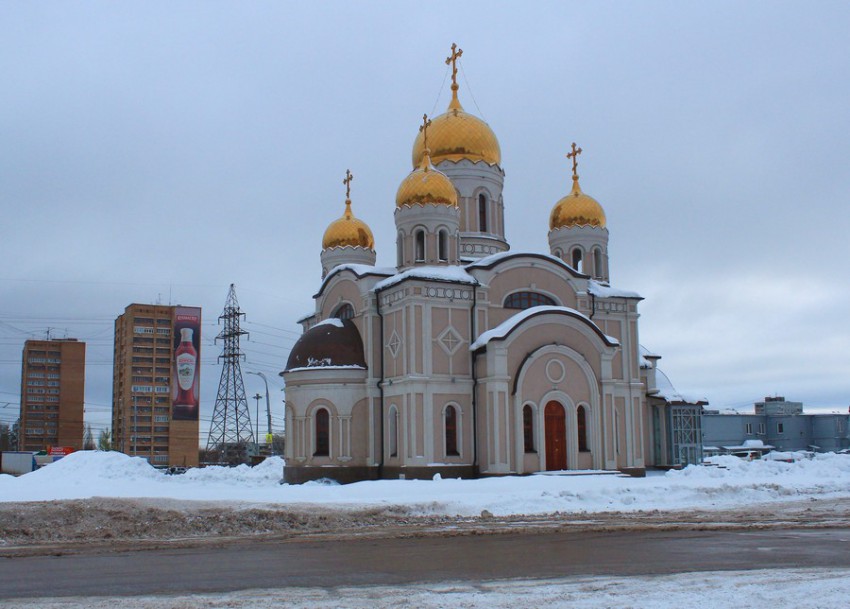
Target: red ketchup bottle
[[186, 360]]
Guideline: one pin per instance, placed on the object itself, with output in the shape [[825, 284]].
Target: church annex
[[467, 358]]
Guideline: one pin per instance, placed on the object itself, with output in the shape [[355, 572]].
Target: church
[[467, 358]]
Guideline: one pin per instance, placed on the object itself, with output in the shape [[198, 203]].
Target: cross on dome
[[424, 129], [347, 181], [574, 156], [452, 59]]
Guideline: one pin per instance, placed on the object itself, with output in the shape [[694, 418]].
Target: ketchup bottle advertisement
[[186, 371]]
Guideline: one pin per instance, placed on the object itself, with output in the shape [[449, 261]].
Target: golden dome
[[576, 209], [426, 185], [456, 135], [348, 231]]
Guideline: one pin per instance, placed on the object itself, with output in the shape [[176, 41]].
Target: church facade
[[467, 358]]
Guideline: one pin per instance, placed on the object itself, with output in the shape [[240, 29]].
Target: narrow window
[[451, 431], [482, 213], [420, 246], [748, 429], [399, 244], [528, 428], [780, 428], [581, 417], [577, 259], [443, 245], [597, 262], [323, 433], [761, 429], [393, 432]]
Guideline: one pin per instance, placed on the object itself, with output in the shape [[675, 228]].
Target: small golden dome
[[456, 135], [426, 185], [348, 231], [576, 209]]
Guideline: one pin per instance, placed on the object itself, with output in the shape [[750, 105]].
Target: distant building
[[776, 424], [155, 383], [52, 392]]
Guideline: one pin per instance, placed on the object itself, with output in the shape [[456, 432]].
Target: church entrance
[[556, 436]]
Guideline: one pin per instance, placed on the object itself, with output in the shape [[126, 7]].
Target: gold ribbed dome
[[426, 185], [456, 135], [576, 209], [348, 231]]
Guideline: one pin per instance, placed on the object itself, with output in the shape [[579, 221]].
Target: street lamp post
[[268, 405], [258, 397]]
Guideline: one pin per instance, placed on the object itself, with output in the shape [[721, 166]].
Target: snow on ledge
[[505, 328], [603, 291], [453, 274]]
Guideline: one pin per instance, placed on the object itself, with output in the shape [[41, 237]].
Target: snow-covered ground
[[777, 589], [731, 483]]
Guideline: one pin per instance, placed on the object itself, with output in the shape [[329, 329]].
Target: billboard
[[186, 371]]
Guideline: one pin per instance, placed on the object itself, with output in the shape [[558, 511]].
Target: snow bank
[[726, 484]]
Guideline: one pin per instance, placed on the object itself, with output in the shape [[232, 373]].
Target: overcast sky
[[159, 151]]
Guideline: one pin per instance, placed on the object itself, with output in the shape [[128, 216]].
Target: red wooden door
[[556, 436]]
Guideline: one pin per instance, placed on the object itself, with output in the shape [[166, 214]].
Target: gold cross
[[424, 129], [574, 156], [347, 181], [452, 59]]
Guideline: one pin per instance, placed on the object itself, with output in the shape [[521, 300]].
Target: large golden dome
[[576, 209], [426, 185], [348, 231], [456, 135]]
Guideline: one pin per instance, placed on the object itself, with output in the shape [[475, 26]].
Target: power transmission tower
[[231, 434]]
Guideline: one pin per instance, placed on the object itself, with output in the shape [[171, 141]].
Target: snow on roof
[[305, 317], [603, 291], [319, 366], [493, 259], [452, 274], [668, 392], [645, 355], [358, 269], [330, 321], [505, 328]]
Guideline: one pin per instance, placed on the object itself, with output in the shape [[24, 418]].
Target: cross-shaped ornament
[[574, 156], [424, 129], [347, 181], [452, 59]]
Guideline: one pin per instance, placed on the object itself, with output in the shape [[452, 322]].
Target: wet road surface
[[279, 564]]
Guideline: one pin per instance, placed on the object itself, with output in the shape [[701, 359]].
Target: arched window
[[557, 253], [399, 245], [443, 245], [393, 431], [525, 300], [419, 235], [528, 428], [577, 259], [451, 431], [581, 416], [344, 311], [323, 433], [597, 262], [482, 213]]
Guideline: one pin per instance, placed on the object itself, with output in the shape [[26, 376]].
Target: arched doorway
[[556, 436]]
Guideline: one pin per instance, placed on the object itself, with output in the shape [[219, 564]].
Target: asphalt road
[[280, 564]]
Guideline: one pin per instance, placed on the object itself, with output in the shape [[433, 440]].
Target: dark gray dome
[[333, 342]]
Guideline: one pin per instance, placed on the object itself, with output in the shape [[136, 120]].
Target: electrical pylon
[[231, 432]]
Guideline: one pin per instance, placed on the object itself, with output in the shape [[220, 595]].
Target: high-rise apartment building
[[52, 394], [155, 383]]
